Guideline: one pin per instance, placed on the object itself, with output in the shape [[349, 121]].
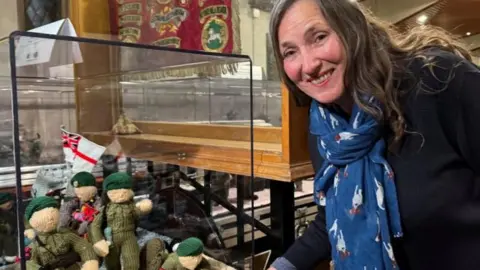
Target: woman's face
[[313, 56]]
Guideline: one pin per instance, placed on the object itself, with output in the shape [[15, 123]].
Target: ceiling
[[461, 17]]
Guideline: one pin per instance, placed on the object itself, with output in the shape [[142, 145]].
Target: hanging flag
[[68, 139], [78, 150], [207, 25]]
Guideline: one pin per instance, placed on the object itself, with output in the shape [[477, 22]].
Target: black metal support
[[207, 193], [282, 215], [248, 219], [240, 201]]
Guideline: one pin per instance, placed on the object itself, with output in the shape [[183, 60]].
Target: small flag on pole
[[83, 153]]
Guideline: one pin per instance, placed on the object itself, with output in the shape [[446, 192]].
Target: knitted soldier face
[[84, 184], [118, 187], [190, 253], [42, 213]]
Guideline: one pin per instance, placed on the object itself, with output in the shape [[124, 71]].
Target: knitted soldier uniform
[[188, 256], [8, 229], [49, 247], [74, 213], [122, 219]]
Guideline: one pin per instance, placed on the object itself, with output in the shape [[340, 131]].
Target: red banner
[[208, 25]]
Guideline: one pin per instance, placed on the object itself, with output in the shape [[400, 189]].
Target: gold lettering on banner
[[128, 7], [126, 19], [130, 34], [169, 42], [220, 10]]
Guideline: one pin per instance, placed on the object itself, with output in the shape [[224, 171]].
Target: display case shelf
[[213, 147]]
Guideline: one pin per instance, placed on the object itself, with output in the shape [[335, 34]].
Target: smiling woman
[[313, 55], [393, 139]]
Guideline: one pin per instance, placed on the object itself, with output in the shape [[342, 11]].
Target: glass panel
[[8, 202], [159, 118]]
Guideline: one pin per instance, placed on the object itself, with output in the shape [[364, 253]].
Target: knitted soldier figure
[[77, 213], [52, 248], [188, 256], [8, 230], [119, 215]]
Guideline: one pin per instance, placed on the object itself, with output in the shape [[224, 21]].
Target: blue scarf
[[356, 186]]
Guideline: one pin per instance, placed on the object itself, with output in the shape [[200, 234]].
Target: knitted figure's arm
[[34, 255], [172, 263], [96, 232], [143, 207], [81, 246]]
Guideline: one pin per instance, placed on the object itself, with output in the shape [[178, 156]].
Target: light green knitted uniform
[[122, 219], [59, 243]]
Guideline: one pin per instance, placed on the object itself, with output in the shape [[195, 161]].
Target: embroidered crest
[[168, 19], [214, 35]]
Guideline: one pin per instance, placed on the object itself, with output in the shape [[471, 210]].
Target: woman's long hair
[[376, 55]]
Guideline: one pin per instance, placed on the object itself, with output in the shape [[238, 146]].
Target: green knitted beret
[[38, 204], [5, 197], [118, 180], [83, 179], [190, 247]]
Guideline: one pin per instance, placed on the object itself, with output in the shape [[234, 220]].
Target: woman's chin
[[327, 98]]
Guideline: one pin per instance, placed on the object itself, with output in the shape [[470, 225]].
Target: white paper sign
[[35, 51]]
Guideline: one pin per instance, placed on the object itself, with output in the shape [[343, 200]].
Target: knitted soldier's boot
[[153, 254]]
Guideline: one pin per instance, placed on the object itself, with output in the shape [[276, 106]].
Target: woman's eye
[[287, 54], [320, 37]]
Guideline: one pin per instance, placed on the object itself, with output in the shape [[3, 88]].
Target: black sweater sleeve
[[313, 246], [459, 107], [468, 122]]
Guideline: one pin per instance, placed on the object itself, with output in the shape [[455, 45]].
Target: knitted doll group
[[88, 230]]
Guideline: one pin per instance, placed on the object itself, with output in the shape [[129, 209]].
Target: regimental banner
[[171, 23], [126, 19], [208, 25]]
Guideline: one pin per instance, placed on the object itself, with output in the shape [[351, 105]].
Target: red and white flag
[[83, 153]]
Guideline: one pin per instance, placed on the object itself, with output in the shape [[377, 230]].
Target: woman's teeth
[[323, 78]]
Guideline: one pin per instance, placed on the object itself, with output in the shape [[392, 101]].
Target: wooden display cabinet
[[279, 153]]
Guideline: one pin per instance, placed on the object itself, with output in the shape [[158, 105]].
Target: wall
[[253, 32], [9, 17]]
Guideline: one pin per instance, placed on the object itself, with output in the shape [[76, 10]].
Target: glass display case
[[181, 129]]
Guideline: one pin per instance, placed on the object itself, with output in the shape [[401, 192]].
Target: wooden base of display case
[[211, 147]]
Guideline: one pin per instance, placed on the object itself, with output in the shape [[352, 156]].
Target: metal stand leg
[[240, 207], [207, 194], [282, 213]]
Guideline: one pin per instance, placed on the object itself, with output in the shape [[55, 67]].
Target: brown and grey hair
[[375, 55]]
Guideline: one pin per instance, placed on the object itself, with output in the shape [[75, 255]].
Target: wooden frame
[[279, 153]]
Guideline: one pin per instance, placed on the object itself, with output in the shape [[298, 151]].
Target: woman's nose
[[311, 65]]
